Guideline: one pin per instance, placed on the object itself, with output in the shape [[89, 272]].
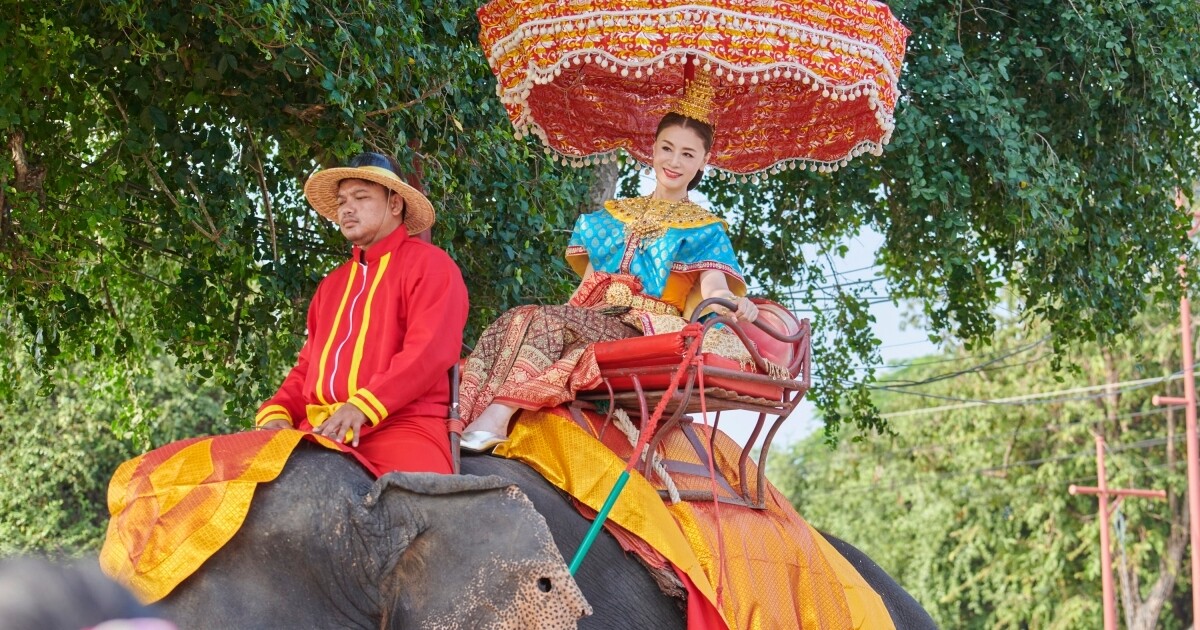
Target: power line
[[1006, 489], [901, 345], [986, 366], [920, 480], [818, 376], [792, 292], [898, 389], [1030, 399], [896, 366], [848, 456], [977, 368]]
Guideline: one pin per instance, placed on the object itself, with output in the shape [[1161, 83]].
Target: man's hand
[[276, 424], [346, 418]]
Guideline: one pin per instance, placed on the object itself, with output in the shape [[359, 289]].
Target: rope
[[656, 461], [690, 330], [693, 331]]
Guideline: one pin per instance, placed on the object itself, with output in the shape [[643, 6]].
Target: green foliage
[[150, 193], [1037, 147], [154, 200], [968, 508], [59, 451]]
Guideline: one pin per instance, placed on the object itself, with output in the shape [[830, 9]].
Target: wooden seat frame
[[689, 398]]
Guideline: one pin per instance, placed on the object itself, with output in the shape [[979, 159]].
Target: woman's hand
[[714, 285], [747, 310], [276, 424]]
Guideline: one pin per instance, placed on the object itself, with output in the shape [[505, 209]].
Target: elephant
[[607, 564], [326, 546]]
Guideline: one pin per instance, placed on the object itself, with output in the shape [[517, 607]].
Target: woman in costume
[[645, 264]]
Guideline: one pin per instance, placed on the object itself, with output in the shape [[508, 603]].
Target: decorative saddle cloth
[[757, 568], [174, 507]]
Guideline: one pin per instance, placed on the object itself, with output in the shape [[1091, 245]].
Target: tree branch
[[423, 96], [28, 177], [213, 234], [162, 185], [262, 183]]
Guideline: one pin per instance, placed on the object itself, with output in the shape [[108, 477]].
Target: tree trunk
[[27, 177], [1146, 615], [604, 184], [1143, 614], [1128, 578]]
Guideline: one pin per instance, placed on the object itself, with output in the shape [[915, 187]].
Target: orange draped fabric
[[814, 587], [174, 507]]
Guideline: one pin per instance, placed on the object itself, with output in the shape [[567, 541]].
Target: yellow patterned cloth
[[174, 507], [573, 461], [816, 587]]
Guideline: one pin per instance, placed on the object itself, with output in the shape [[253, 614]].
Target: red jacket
[[383, 330]]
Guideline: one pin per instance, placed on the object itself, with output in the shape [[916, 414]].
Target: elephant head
[[324, 545], [472, 553]]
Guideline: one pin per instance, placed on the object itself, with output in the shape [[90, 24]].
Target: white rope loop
[[632, 434]]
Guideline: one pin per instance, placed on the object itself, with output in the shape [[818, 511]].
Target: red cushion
[[639, 351], [780, 353], [667, 351]]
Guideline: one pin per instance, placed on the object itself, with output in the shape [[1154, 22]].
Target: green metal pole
[[599, 522], [647, 430]]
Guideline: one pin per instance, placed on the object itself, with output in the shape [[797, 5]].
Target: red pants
[[408, 444]]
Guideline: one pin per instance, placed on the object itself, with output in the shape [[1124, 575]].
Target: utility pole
[[1106, 509], [1189, 408]]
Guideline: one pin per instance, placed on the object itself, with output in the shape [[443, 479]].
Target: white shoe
[[480, 441]]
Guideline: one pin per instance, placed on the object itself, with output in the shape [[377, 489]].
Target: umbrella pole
[[597, 524]]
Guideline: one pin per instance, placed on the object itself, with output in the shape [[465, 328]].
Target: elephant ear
[[396, 521], [388, 519], [434, 484]]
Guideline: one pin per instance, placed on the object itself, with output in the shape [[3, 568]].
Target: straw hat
[[321, 189]]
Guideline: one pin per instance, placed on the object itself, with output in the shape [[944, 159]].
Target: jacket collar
[[389, 243]]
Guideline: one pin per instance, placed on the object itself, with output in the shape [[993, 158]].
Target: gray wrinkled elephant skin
[[528, 586], [324, 546]]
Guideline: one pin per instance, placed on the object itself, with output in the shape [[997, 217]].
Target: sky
[[899, 341]]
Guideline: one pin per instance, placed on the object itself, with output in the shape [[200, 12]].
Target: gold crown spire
[[697, 99]]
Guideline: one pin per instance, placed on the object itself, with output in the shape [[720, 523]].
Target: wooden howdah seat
[[636, 373]]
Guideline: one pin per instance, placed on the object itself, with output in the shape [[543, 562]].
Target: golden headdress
[[697, 100]]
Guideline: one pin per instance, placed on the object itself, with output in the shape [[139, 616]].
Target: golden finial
[[697, 99]]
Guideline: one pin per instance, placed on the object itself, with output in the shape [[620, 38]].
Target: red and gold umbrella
[[807, 84]]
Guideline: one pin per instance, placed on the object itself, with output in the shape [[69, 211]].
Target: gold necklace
[[647, 219]]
